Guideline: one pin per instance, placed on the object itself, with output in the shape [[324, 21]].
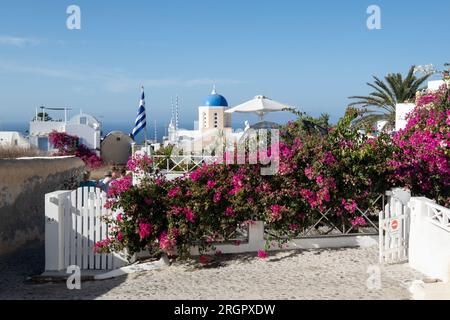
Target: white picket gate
[[73, 225], [394, 227]]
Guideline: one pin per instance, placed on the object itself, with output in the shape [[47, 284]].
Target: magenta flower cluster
[[421, 161]]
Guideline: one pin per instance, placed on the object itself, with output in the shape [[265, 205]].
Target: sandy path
[[317, 274]]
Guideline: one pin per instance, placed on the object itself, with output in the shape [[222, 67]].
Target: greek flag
[[141, 122]]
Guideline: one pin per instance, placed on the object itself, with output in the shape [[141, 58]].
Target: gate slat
[[67, 229], [104, 231], [79, 231], [92, 213], [85, 240], [98, 235], [73, 218]]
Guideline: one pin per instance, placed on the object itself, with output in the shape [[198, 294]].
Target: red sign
[[394, 225]]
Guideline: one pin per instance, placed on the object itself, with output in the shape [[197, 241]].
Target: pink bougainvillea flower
[[195, 175], [139, 163], [145, 230], [358, 221], [230, 212], [189, 214], [148, 201], [176, 211], [210, 184], [166, 243], [262, 254], [102, 246], [109, 203], [319, 180], [119, 236], [204, 259], [119, 186], [217, 197], [119, 217], [174, 192], [276, 212], [309, 173], [349, 205]]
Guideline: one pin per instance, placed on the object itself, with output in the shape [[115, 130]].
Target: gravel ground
[[311, 274]]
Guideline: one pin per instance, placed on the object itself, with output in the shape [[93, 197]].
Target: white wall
[[45, 127], [435, 85], [429, 243], [89, 136], [401, 110]]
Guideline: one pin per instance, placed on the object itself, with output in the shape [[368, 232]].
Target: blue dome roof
[[215, 100]]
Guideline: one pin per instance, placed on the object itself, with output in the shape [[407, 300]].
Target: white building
[[84, 126], [402, 109], [13, 139], [434, 85], [213, 124]]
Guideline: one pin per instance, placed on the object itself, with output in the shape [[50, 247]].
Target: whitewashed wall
[[401, 111], [429, 240]]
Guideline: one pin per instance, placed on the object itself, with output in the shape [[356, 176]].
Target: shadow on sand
[[18, 268]]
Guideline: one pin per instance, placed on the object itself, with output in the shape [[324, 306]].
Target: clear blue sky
[[311, 54]]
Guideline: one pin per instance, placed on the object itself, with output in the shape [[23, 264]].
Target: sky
[[309, 54]]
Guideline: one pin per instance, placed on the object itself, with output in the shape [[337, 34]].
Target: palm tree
[[380, 104]]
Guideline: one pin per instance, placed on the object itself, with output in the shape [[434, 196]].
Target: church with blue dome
[[211, 115], [215, 100], [212, 120]]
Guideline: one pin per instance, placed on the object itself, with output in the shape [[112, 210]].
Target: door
[[43, 143]]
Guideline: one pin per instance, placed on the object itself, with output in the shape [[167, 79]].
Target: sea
[[107, 127]]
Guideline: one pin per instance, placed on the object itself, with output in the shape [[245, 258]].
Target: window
[[83, 120]]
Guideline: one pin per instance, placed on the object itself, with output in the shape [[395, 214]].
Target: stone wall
[[23, 185]]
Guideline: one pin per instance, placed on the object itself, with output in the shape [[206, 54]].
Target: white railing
[[438, 215], [257, 240], [181, 164], [73, 224], [429, 238]]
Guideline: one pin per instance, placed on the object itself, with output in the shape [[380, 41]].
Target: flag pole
[[145, 128]]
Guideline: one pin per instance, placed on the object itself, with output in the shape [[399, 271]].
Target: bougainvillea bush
[[422, 158], [333, 174], [68, 145], [338, 174]]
